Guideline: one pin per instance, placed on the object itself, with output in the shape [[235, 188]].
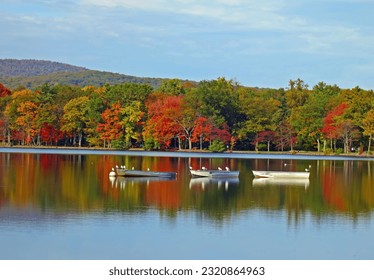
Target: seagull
[[112, 173], [190, 167], [228, 169], [148, 169], [132, 168], [219, 168], [203, 168]]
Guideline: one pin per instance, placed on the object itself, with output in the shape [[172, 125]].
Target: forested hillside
[[32, 67], [35, 73], [216, 115]]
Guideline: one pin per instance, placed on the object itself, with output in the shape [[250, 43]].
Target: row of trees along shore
[[216, 115]]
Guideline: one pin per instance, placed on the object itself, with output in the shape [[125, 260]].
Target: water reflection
[[265, 182], [203, 183], [80, 183], [122, 182]]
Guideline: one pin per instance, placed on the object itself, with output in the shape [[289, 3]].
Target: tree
[[260, 114], [161, 125], [368, 126], [20, 113], [336, 126], [75, 118], [297, 94], [131, 117], [219, 99], [4, 120], [202, 131], [266, 136], [4, 91], [172, 87], [307, 120], [111, 128], [26, 120], [49, 134]]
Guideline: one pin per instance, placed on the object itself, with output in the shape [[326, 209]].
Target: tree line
[[217, 115]]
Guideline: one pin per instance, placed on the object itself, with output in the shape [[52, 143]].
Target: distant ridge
[[32, 67], [32, 73]]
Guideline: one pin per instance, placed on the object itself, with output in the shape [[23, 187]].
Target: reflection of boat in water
[[214, 173], [219, 182], [144, 173], [263, 182], [122, 182], [281, 174]]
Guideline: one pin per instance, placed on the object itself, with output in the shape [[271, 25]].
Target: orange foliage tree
[[110, 129]]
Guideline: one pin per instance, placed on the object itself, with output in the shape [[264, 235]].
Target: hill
[[32, 67], [34, 73]]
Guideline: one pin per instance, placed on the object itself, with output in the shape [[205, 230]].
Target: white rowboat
[[141, 173], [214, 173], [281, 174]]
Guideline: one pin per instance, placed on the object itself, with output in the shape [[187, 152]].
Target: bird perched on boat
[[228, 169], [190, 167], [132, 168], [148, 169], [203, 168], [112, 173], [219, 168]]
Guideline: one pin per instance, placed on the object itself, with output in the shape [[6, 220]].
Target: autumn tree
[[308, 119], [261, 114], [110, 129], [4, 120], [202, 131], [332, 128], [131, 120], [161, 127], [21, 114], [219, 99], [75, 118], [172, 87], [368, 126]]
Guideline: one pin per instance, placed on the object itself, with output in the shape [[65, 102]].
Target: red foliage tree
[[332, 126], [4, 91], [266, 136], [164, 113], [49, 134], [202, 131], [111, 128]]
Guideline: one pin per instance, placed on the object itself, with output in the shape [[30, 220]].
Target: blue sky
[[257, 43]]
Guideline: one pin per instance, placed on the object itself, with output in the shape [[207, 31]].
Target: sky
[[260, 43]]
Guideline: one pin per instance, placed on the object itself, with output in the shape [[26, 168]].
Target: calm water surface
[[64, 206]]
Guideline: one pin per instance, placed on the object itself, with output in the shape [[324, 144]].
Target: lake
[[61, 204]]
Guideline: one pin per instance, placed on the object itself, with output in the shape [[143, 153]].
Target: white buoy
[[112, 173]]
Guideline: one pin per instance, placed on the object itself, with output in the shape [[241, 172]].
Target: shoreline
[[183, 153]]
